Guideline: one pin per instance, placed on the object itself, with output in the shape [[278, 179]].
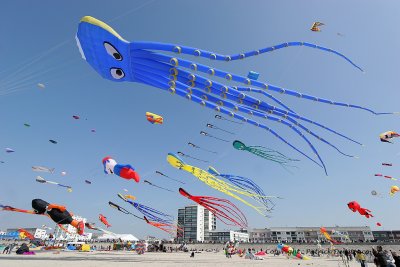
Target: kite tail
[[215, 56]]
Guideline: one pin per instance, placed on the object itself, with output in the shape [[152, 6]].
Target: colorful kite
[[211, 126], [166, 227], [393, 190], [223, 209], [124, 171], [290, 252], [119, 60], [42, 169], [327, 236], [63, 173], [152, 214], [196, 146], [264, 152], [355, 206], [316, 26], [92, 226], [23, 234], [334, 232], [76, 117], [166, 176], [57, 213], [9, 150], [41, 180], [214, 182], [247, 185], [103, 219], [385, 176], [190, 157], [154, 118], [130, 197], [387, 136], [209, 135]]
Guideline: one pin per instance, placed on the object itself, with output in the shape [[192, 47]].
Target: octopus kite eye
[[112, 51], [117, 73]]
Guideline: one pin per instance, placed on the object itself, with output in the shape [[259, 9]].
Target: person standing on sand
[[360, 257]]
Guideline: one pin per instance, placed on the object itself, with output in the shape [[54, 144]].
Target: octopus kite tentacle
[[151, 81], [211, 55], [247, 185], [166, 227], [243, 80], [225, 92], [222, 209], [151, 213]]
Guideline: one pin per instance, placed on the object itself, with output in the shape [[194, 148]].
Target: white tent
[[123, 237]]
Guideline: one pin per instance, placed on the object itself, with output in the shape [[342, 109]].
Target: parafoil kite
[[378, 224], [40, 179], [124, 171], [53, 141], [166, 176], [223, 209], [374, 193], [211, 126], [393, 190], [216, 183], [252, 75], [57, 213], [385, 176], [63, 173], [355, 206], [316, 26], [41, 85], [9, 150], [76, 117], [190, 157], [42, 169], [103, 219], [387, 136], [119, 60], [387, 164], [27, 125], [93, 130], [196, 146], [212, 136], [247, 185], [264, 152], [163, 188], [88, 182], [154, 118]]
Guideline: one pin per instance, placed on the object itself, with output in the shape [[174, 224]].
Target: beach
[[126, 258]]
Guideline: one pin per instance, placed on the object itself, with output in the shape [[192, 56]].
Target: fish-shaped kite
[[40, 179]]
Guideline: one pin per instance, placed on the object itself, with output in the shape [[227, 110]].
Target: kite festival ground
[[126, 258]]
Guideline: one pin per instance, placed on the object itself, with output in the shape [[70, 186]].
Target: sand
[[125, 258]]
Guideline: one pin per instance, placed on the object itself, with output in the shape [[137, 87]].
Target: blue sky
[[46, 29]]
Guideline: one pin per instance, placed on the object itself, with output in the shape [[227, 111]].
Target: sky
[[38, 46]]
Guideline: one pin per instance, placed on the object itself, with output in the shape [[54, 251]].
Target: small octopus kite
[[355, 206], [223, 209]]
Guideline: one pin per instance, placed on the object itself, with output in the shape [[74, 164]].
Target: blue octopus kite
[[119, 60]]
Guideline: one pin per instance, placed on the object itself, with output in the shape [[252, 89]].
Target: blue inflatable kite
[[116, 59]]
